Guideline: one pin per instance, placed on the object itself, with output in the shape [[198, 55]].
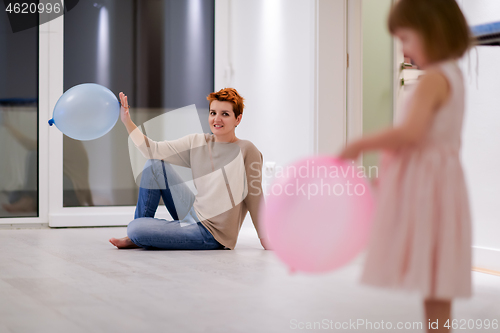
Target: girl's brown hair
[[441, 24], [229, 95]]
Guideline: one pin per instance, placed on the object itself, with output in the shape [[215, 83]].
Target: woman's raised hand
[[124, 109], [125, 117]]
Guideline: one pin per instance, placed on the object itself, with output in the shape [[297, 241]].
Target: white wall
[[287, 58], [481, 137], [265, 50], [271, 52]]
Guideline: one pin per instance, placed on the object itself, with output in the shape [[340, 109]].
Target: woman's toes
[[123, 243], [113, 241]]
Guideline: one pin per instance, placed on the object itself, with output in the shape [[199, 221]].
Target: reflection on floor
[[73, 280], [25, 207]]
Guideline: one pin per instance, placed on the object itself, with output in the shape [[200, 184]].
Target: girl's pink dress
[[421, 236]]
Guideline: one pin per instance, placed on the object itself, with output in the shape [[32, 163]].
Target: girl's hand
[[124, 109], [350, 152]]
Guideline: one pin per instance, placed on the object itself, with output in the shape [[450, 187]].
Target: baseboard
[[24, 226], [486, 260], [486, 271]]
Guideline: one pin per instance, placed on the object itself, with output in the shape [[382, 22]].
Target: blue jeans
[[185, 232]]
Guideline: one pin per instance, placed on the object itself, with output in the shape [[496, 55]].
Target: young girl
[[421, 238]]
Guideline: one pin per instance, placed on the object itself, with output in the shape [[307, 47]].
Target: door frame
[[354, 70], [43, 148], [59, 216], [330, 109]]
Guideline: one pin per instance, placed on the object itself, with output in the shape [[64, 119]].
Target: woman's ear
[[238, 119]]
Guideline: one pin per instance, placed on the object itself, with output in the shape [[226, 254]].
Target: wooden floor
[[73, 280]]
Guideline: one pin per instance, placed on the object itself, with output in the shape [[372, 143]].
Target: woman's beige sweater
[[227, 177]]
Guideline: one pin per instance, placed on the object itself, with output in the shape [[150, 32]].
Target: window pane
[[160, 53], [18, 121]]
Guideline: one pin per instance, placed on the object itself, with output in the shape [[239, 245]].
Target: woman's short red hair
[[228, 95]]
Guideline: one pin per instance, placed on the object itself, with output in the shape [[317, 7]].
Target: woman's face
[[221, 117], [413, 45]]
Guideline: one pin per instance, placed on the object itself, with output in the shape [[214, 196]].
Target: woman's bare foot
[[123, 243]]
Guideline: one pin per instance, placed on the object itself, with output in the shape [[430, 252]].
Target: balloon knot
[[51, 122]]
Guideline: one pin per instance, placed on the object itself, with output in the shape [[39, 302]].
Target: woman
[[227, 174]]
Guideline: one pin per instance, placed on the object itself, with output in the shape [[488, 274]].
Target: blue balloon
[[86, 111]]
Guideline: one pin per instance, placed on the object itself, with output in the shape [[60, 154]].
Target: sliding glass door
[[19, 137], [160, 53]]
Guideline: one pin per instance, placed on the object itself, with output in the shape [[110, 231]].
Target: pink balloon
[[318, 214]]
